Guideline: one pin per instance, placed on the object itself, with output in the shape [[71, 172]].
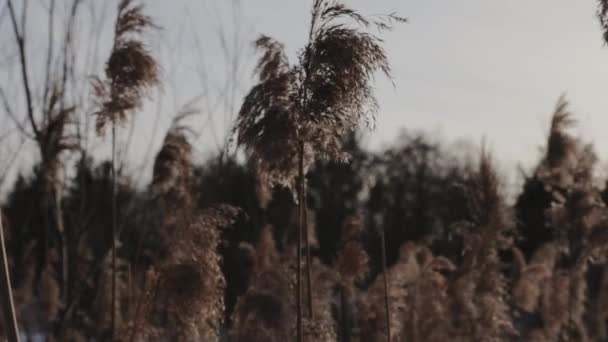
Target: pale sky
[[462, 68]]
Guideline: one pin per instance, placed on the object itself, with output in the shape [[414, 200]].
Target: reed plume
[[172, 170], [352, 259], [602, 15], [560, 146], [266, 249], [352, 264], [418, 292], [130, 72], [531, 277], [576, 218], [300, 112], [480, 290], [191, 279], [568, 162], [181, 277], [317, 100], [600, 309], [262, 312], [322, 325]]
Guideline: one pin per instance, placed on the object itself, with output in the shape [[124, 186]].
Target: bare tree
[[48, 117]]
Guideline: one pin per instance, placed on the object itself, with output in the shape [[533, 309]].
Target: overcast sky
[[462, 68], [473, 68]]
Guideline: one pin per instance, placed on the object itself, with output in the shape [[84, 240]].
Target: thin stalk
[[138, 305], [387, 309], [299, 248], [65, 266], [141, 302], [344, 331], [129, 291], [113, 200], [46, 222], [414, 318], [307, 246], [303, 97], [20, 39], [57, 209], [8, 308]]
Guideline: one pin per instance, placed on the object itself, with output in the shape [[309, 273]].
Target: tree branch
[[19, 38], [49, 55], [11, 114], [10, 162]]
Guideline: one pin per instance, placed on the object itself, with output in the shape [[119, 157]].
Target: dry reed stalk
[[263, 312], [387, 308], [304, 206], [297, 111], [299, 246], [192, 280], [114, 231], [8, 307], [130, 72]]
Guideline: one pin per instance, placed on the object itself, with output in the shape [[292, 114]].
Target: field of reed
[[292, 231]]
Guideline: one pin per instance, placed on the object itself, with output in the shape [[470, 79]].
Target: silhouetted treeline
[[424, 198]]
